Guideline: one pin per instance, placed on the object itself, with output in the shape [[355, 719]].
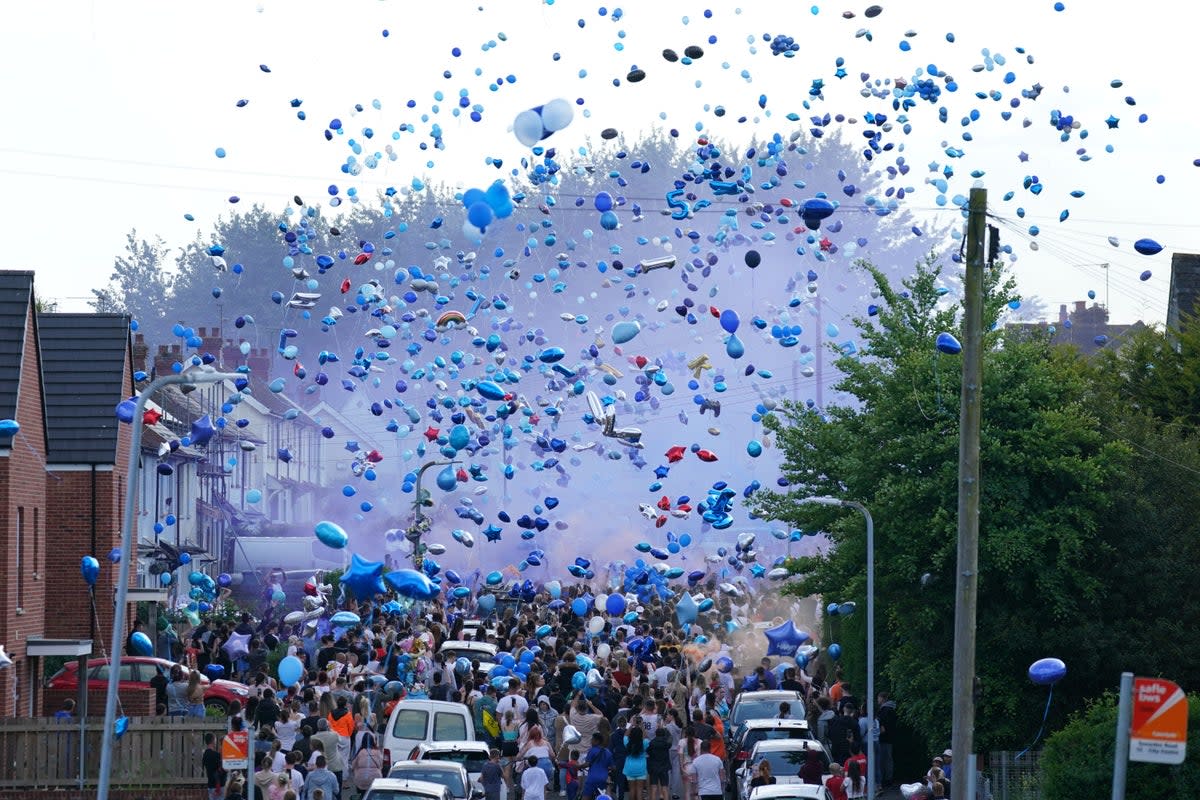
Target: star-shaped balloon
[[151, 416], [431, 433], [758, 570], [785, 639], [202, 430], [237, 645], [364, 578], [676, 453], [662, 471], [492, 533], [284, 455], [686, 609]]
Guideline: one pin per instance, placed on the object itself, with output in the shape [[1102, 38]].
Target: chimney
[[1185, 286], [1080, 306], [211, 341], [141, 351], [259, 362], [166, 358], [1062, 313]]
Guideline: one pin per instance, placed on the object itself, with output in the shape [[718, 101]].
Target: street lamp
[[128, 553], [833, 501], [420, 524]]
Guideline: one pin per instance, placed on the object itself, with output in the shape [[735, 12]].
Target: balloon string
[[1045, 715], [103, 652]]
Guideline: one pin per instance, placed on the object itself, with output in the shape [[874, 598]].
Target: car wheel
[[217, 703]]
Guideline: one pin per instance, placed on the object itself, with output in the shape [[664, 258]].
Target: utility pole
[[420, 522], [967, 581]]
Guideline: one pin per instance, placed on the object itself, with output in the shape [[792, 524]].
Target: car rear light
[[387, 759]]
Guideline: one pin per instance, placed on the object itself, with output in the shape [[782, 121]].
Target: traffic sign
[[235, 750], [1158, 733]]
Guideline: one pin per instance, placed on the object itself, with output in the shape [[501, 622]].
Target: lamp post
[[128, 553], [420, 521], [873, 752]]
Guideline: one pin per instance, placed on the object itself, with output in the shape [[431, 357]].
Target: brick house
[[23, 541], [87, 371]]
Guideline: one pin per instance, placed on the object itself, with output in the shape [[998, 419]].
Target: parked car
[[416, 721], [763, 705], [389, 789], [136, 672], [786, 757], [483, 652], [446, 773], [790, 791], [471, 755], [754, 731]]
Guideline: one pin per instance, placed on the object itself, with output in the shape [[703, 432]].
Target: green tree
[[1077, 761], [1049, 476]]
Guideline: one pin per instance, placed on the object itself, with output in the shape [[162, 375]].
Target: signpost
[[235, 750], [1152, 718], [1158, 734]]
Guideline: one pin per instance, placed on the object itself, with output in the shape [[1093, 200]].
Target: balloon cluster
[[484, 206], [535, 124]]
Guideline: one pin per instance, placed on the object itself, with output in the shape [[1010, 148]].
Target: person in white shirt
[[533, 780], [513, 700], [662, 675], [710, 773]]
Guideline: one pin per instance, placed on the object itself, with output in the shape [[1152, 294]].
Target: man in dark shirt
[[789, 682], [159, 684], [703, 731], [246, 626], [267, 712], [843, 732], [211, 762], [327, 652]]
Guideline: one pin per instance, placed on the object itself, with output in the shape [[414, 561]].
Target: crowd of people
[[645, 725]]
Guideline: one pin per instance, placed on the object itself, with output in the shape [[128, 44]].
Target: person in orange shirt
[[836, 692], [718, 744], [341, 722]]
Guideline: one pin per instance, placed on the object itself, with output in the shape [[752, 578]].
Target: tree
[[1050, 479], [1078, 759], [140, 285]]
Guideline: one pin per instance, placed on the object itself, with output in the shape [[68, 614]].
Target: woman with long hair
[[195, 695], [856, 784], [537, 746], [510, 745], [368, 762], [634, 769], [762, 775]]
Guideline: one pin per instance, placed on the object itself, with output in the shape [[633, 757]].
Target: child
[[279, 787], [573, 776], [236, 788], [492, 776], [533, 780], [211, 761]]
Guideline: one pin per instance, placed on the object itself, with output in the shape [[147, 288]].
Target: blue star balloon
[[364, 578], [492, 533], [412, 584], [202, 430], [785, 639]]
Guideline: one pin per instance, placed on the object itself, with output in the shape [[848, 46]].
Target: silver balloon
[[571, 735]]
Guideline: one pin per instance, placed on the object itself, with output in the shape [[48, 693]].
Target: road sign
[[1158, 733], [235, 750]]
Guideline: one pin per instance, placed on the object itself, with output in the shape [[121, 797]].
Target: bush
[[1077, 761]]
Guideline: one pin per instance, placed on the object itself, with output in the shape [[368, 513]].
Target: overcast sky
[[114, 111]]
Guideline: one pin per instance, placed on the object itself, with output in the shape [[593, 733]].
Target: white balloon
[[557, 114], [603, 650], [596, 624], [528, 127]]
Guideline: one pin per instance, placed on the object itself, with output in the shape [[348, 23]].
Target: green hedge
[[1077, 761]]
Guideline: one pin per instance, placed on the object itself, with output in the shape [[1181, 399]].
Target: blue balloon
[[460, 437], [1147, 247], [141, 645], [486, 604], [89, 567], [603, 202], [291, 670], [730, 320], [331, 534], [623, 332], [835, 651], [480, 215], [412, 584], [447, 479], [615, 605], [579, 606], [578, 681], [494, 579], [948, 344], [1047, 671], [344, 619]]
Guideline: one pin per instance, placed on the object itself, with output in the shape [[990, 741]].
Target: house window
[[20, 555]]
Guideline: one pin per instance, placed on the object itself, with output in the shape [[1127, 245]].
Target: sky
[[114, 112]]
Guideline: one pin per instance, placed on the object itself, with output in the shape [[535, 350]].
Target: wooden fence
[[154, 752]]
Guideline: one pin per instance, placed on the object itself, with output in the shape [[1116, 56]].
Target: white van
[[416, 721]]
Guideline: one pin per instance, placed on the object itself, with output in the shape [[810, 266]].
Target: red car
[[136, 672]]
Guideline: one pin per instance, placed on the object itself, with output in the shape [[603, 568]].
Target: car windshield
[[756, 736], [469, 653], [763, 709], [396, 794], [472, 761], [449, 778], [789, 762]]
